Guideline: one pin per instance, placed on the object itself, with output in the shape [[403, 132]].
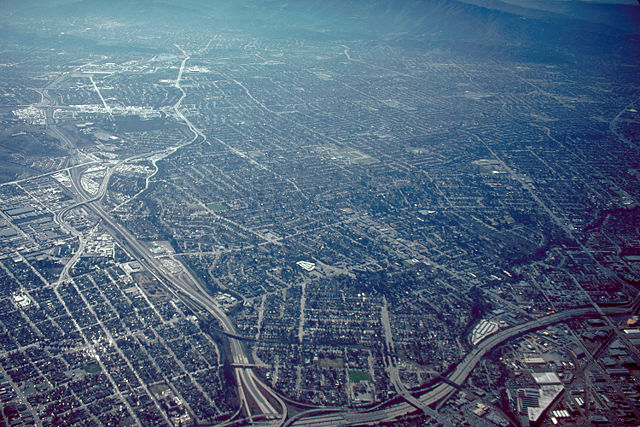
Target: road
[[184, 285], [394, 372], [95, 86], [256, 400], [459, 374]]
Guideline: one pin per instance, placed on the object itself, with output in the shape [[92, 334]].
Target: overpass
[[455, 379]]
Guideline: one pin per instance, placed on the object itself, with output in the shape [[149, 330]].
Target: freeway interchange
[[252, 392], [443, 388], [187, 288], [258, 401], [183, 286]]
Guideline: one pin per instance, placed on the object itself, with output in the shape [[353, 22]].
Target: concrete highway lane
[[458, 376], [185, 286]]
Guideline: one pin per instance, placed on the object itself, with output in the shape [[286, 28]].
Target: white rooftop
[[546, 378], [306, 265]]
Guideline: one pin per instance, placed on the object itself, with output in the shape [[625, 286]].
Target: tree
[[479, 304]]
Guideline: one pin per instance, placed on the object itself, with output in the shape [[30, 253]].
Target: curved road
[[458, 376], [183, 286]]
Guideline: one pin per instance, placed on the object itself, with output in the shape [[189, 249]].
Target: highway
[[394, 372], [185, 286], [256, 399], [458, 376], [251, 389]]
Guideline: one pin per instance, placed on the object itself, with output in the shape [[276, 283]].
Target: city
[[221, 225]]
